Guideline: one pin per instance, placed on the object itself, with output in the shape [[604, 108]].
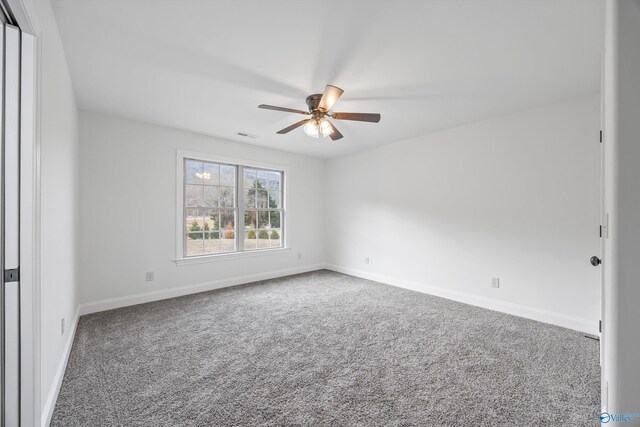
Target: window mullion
[[240, 209]]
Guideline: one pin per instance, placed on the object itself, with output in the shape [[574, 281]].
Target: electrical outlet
[[299, 255], [149, 276], [495, 282], [62, 326], [366, 260]]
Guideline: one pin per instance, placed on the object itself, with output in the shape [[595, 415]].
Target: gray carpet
[[324, 349]]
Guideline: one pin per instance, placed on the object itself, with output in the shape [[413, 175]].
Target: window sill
[[230, 256]]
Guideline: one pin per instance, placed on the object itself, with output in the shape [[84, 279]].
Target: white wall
[[59, 203], [514, 197], [128, 213], [622, 202]]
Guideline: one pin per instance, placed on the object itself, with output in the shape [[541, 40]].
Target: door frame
[[29, 246], [23, 17], [604, 234]]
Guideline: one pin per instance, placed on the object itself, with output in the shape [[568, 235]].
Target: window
[[262, 209], [229, 208]]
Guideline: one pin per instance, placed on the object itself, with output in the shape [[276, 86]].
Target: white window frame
[[240, 164]]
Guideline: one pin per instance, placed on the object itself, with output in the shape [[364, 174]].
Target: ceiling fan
[[319, 107]]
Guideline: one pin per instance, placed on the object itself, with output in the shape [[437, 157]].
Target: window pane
[[227, 197], [211, 219], [274, 219], [249, 198], [261, 199], [192, 171], [250, 218], [193, 221], [190, 214], [194, 244], [212, 174], [211, 246], [274, 181], [263, 177], [276, 238], [227, 245], [211, 196], [263, 219], [264, 238], [227, 175], [227, 231], [274, 199], [249, 177], [193, 195], [228, 223], [250, 240]]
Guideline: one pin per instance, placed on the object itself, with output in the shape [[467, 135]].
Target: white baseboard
[[111, 303], [570, 322], [575, 323], [50, 404]]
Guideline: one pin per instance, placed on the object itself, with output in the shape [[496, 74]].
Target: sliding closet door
[[11, 225], [2, 298]]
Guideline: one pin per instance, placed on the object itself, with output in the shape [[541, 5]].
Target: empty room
[[315, 212]]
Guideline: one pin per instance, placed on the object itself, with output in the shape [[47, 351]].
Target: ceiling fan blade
[[360, 117], [293, 126], [329, 97], [335, 135], [288, 110]]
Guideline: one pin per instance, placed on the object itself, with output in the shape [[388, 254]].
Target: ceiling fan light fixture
[[319, 106], [312, 129], [325, 127]]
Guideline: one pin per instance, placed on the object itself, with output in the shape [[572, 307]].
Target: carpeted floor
[[324, 348]]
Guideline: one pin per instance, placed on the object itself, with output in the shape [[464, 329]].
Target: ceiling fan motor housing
[[313, 101]]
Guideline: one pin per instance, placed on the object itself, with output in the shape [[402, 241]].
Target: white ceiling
[[204, 66]]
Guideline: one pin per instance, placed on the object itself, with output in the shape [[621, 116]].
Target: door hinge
[[600, 326], [600, 136], [11, 275]]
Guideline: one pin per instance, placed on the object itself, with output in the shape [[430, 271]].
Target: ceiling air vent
[[248, 135]]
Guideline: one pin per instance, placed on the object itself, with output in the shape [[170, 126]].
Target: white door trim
[[28, 308]]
